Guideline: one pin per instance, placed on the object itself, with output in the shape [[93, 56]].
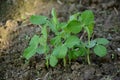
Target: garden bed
[[15, 36]]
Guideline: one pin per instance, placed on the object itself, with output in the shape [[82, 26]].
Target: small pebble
[[118, 49]]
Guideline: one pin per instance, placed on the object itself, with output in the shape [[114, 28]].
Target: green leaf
[[54, 17], [102, 41], [29, 52], [56, 40], [35, 19], [64, 34], [62, 25], [42, 41], [92, 44], [82, 51], [53, 60], [44, 32], [100, 50], [71, 55], [74, 27], [74, 16], [34, 40], [43, 49], [87, 20], [71, 41], [60, 51], [90, 27], [43, 38], [77, 53], [40, 50], [87, 17], [51, 25]]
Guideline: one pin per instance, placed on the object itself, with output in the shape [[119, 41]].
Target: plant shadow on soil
[[14, 40]]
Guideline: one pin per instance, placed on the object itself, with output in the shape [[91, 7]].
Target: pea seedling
[[64, 42]]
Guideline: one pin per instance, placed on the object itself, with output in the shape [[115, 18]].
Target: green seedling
[[64, 42]]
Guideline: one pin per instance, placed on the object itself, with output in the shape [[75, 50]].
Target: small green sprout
[[64, 42]]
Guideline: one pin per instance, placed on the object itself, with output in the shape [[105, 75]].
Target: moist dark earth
[[15, 35]]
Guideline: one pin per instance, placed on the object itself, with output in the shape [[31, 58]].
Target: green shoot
[[65, 42]]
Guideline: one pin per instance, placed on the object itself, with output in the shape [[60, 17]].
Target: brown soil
[[15, 35]]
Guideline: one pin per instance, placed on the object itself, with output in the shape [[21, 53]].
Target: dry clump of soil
[[15, 36]]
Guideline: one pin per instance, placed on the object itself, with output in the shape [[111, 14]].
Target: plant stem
[[64, 61], [88, 56], [47, 63], [88, 52]]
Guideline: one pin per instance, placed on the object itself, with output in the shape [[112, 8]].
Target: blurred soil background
[[16, 31]]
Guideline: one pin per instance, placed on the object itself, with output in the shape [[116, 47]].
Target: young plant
[[64, 41]]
